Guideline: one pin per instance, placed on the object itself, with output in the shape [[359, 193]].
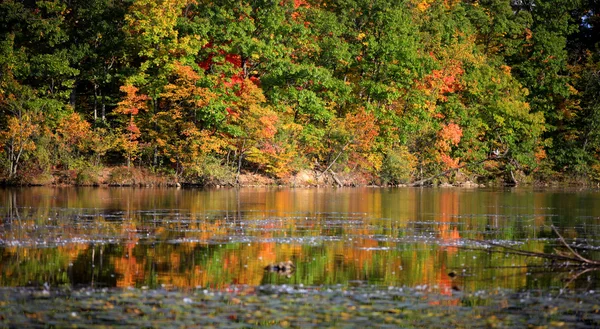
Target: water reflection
[[122, 237]]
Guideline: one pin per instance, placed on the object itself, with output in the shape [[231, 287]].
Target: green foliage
[[210, 172], [87, 176], [380, 88], [398, 166]]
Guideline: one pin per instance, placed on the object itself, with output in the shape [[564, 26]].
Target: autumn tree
[[18, 110], [73, 135], [130, 107], [253, 124], [180, 134], [157, 46]]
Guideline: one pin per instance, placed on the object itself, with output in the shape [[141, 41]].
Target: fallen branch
[[515, 251], [446, 172], [572, 256], [575, 253], [335, 159], [494, 156], [337, 181], [574, 277]]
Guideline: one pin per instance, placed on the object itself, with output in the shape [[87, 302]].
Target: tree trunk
[[337, 181], [155, 157], [239, 168], [103, 106], [95, 101], [10, 150], [512, 177], [73, 96], [336, 158]]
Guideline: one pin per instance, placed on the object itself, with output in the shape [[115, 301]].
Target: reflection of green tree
[[26, 267]]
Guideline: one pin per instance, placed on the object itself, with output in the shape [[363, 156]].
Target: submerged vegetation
[[388, 91], [295, 307]]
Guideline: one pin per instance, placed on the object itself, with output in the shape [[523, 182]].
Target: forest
[[386, 91]]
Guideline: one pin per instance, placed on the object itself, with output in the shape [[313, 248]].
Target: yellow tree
[[253, 123], [353, 138], [17, 140], [178, 137], [158, 45], [73, 135], [19, 120]]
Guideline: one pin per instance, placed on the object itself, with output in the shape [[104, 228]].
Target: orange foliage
[[450, 135], [258, 120], [19, 133], [73, 131], [17, 139], [184, 91], [423, 5], [277, 156], [449, 161], [131, 104], [363, 127], [540, 154], [440, 83]]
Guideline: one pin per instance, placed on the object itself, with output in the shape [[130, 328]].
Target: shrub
[[87, 177], [209, 172], [121, 176], [398, 166]]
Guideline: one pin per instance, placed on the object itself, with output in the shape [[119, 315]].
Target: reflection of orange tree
[[215, 266], [194, 264], [244, 265], [204, 229], [73, 251], [362, 251], [238, 263], [126, 266], [445, 285], [449, 208], [267, 217]]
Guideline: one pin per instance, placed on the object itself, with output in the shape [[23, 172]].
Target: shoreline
[[145, 178]]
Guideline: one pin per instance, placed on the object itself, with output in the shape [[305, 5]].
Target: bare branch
[[575, 253]]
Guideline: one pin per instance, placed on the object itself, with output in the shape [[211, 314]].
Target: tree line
[[393, 91]]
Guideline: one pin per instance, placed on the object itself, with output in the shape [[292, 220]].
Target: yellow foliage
[[72, 131], [423, 5], [595, 174], [19, 132]]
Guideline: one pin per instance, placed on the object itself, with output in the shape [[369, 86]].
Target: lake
[[432, 247]]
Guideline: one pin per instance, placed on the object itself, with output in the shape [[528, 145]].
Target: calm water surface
[[157, 238]]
